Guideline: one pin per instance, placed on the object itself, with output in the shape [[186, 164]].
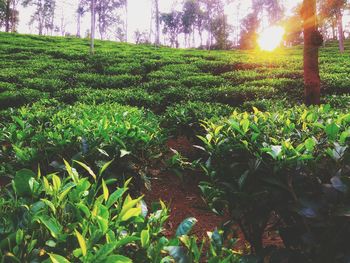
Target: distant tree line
[[196, 23]]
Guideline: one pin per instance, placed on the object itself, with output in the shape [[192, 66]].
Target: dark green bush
[[97, 81], [291, 165], [203, 81], [236, 95], [185, 118], [17, 98], [5, 86], [48, 85]]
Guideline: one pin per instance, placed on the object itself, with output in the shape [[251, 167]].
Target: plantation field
[[33, 68], [259, 152]]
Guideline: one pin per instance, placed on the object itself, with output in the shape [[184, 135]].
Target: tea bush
[[185, 118], [17, 98], [291, 166], [276, 162], [75, 218], [96, 81], [47, 131], [55, 65]]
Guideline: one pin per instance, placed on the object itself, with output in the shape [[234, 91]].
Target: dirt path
[[184, 201]]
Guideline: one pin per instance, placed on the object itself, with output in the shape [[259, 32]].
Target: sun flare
[[270, 38]]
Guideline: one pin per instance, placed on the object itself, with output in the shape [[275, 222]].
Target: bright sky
[[139, 14]]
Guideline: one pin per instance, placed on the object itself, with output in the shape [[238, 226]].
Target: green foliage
[[184, 119], [278, 162], [72, 218], [45, 131], [141, 75], [291, 165]]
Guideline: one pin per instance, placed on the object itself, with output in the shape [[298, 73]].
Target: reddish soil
[[184, 200], [4, 181]]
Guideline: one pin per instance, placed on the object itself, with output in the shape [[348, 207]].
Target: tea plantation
[[79, 133]]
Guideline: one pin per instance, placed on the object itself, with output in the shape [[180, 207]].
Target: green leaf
[[132, 212], [245, 125], [51, 224], [72, 173], [344, 136], [310, 144], [57, 258], [50, 205], [23, 182], [19, 236], [128, 204], [114, 197], [56, 182], [88, 169], [50, 243], [105, 166], [186, 226], [82, 242], [118, 259], [145, 238], [105, 190], [332, 130], [64, 193]]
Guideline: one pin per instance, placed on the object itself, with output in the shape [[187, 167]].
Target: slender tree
[[81, 10], [190, 12], [126, 8], [157, 16], [107, 16], [172, 26], [8, 15], [43, 14], [333, 10], [92, 31], [312, 42]]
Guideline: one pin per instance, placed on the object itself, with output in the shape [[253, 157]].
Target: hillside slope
[[34, 67]]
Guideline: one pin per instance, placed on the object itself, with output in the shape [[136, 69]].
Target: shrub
[[291, 166], [236, 95], [17, 98], [108, 82], [241, 76], [214, 67], [203, 81], [5, 86], [336, 83], [161, 84], [74, 218], [48, 85], [185, 118], [134, 68], [44, 134]]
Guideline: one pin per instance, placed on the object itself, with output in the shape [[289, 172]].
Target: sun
[[270, 38]]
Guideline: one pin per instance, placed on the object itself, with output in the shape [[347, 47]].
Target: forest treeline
[[194, 23]]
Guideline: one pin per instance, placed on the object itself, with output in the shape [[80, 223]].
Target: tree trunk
[[78, 24], [13, 16], [157, 22], [312, 83], [333, 31], [126, 21], [340, 31], [92, 33], [7, 16]]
